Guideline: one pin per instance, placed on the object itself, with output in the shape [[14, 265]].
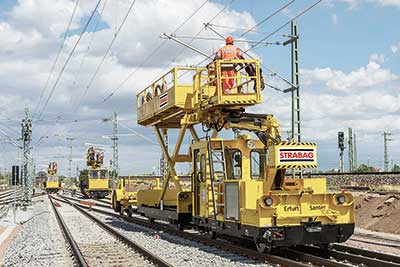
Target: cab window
[[234, 164], [94, 174], [258, 162], [202, 168], [103, 174]]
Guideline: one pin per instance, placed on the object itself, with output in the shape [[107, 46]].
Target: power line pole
[[355, 163], [296, 122], [115, 146], [70, 157], [26, 142], [115, 161], [385, 150], [351, 150]]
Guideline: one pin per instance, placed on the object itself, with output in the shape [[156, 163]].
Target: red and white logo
[[296, 155], [163, 100]]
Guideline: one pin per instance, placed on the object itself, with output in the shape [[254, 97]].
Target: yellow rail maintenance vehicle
[[95, 181], [240, 187], [52, 183], [124, 197]]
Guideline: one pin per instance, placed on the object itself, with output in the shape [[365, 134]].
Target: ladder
[[216, 159]]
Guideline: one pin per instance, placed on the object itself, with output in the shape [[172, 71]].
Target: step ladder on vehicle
[[216, 157]]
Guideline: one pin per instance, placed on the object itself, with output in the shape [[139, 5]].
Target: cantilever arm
[[266, 127]]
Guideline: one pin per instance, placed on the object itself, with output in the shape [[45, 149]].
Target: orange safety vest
[[229, 52]]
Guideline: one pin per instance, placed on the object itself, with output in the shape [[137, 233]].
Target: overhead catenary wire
[[68, 59], [236, 28], [57, 57], [285, 24], [108, 49], [267, 18], [265, 38], [193, 38], [139, 134], [9, 138], [153, 53], [91, 40], [208, 25]]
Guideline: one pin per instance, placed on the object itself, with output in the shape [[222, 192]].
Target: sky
[[349, 58]]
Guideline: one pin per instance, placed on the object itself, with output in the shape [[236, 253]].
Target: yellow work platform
[[185, 90]]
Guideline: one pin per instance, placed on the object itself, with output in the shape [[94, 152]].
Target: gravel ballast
[[176, 250], [98, 247], [39, 241]]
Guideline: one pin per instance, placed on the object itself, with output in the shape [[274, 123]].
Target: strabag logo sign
[[297, 155], [163, 100]]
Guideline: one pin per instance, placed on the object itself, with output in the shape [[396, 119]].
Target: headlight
[[341, 199], [268, 201]]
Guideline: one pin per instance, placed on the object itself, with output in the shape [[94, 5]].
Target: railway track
[[354, 255], [94, 201], [110, 248], [339, 256], [376, 240]]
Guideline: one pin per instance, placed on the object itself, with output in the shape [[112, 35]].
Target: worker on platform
[[228, 52]]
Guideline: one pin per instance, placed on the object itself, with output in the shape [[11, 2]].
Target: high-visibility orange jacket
[[229, 52]]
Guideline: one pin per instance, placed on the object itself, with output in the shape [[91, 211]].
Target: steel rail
[[68, 236], [371, 235], [5, 195], [95, 202], [354, 255], [306, 253], [352, 173], [294, 254], [220, 244], [368, 253], [375, 243], [145, 252]]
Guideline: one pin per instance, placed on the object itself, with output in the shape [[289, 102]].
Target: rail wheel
[[129, 211], [327, 246], [116, 205], [261, 246], [211, 234], [180, 226]]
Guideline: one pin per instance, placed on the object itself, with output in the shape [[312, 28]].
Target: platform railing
[[175, 78], [218, 87]]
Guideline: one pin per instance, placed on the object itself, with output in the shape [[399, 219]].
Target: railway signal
[[341, 148], [15, 175]]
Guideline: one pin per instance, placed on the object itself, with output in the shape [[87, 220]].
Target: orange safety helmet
[[229, 40]]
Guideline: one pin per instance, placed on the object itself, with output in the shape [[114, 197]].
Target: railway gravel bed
[[291, 254], [39, 241], [176, 250], [98, 247]]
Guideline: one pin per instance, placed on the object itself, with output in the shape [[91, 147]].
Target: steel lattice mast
[[26, 141]]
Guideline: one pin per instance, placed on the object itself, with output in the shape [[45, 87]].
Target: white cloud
[[364, 77], [334, 19], [355, 3], [30, 35], [396, 49], [387, 2], [378, 58]]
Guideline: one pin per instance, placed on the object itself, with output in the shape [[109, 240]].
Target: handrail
[[161, 85]]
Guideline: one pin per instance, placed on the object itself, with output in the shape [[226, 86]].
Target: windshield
[[258, 163], [52, 178], [98, 174]]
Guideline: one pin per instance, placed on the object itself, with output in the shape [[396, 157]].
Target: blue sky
[[349, 55]]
